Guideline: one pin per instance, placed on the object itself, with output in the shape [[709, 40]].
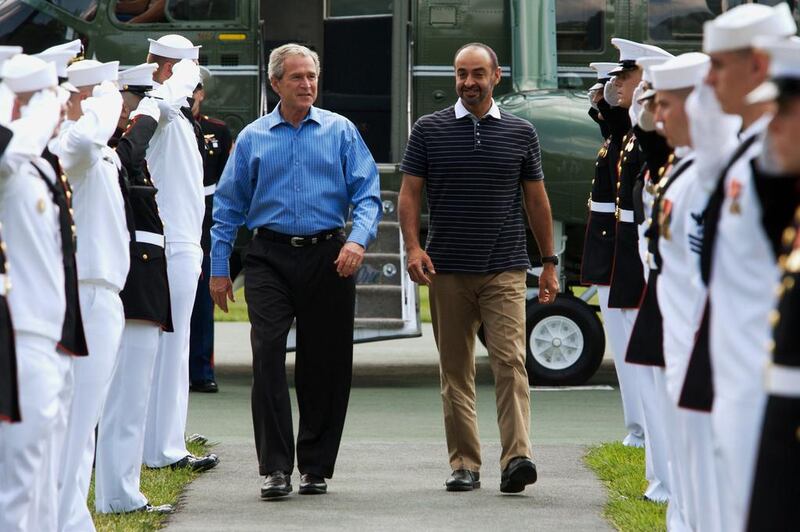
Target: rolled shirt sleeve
[[231, 204], [363, 188]]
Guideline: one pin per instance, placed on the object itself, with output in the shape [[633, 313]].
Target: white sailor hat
[[784, 67], [738, 28], [25, 73], [6, 53], [682, 72], [646, 63], [602, 70], [91, 72], [174, 47], [138, 78], [630, 51]]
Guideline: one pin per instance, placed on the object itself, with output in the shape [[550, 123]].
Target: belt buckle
[[296, 241]]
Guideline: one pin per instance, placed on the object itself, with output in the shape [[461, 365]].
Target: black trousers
[[284, 283]]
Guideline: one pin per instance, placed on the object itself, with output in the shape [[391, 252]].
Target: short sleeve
[[415, 159], [532, 163]]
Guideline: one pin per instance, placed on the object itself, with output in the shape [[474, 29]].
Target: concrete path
[[393, 462]]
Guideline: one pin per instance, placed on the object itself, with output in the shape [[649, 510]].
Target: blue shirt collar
[[275, 118]]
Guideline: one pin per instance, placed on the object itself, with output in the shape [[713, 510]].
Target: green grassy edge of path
[[161, 486], [237, 311], [622, 471]]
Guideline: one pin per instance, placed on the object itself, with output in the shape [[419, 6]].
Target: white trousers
[[120, 437], [655, 455], [169, 399], [103, 320], [736, 429], [695, 461], [28, 494], [626, 373], [677, 510]]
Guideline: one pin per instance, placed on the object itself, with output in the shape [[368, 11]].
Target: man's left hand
[[349, 259], [548, 284]]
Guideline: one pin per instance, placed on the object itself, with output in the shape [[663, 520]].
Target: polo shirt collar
[[275, 118], [462, 111]]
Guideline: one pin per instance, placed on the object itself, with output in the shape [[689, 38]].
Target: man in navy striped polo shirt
[[480, 167]]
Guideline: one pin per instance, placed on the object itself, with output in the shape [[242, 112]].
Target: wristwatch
[[553, 259]]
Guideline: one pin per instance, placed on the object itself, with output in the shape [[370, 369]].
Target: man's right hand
[[420, 267], [221, 289]]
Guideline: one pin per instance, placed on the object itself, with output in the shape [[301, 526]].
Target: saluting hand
[[420, 267], [221, 289], [349, 260]]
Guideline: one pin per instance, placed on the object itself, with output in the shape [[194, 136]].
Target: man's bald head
[[479, 47]]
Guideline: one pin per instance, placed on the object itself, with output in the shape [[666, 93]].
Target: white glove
[[646, 119], [106, 87], [714, 134], [636, 107], [36, 125], [592, 94], [147, 107], [610, 93]]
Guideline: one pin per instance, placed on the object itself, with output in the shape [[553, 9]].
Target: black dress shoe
[[156, 509], [277, 484], [205, 387], [312, 485], [520, 472], [196, 463], [463, 480]]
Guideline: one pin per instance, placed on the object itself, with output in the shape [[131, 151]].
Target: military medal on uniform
[[734, 193]]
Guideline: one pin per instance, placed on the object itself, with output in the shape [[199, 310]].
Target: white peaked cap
[[72, 46], [682, 72], [91, 72], [738, 28], [138, 76], [6, 53], [602, 70], [174, 47], [25, 73], [60, 58], [784, 65], [630, 52]]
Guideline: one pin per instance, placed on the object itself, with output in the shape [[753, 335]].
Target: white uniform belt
[[597, 206], [3, 283], [210, 189], [782, 380], [150, 238], [624, 215]]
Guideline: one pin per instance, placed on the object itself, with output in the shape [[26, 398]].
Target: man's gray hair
[[278, 56]]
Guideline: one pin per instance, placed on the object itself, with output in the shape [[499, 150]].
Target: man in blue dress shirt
[[292, 178]]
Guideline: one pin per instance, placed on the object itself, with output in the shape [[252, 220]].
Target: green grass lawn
[[622, 471], [161, 486]]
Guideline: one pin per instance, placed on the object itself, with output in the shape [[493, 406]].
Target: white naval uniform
[[102, 261], [30, 219], [744, 274], [176, 168], [650, 385], [681, 298]]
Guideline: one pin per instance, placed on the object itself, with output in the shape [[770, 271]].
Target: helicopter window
[[358, 8], [84, 9], [202, 9], [680, 21], [579, 25], [23, 25]]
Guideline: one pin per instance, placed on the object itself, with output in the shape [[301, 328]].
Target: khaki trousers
[[459, 304]]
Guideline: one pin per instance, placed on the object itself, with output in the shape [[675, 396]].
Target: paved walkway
[[393, 462]]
